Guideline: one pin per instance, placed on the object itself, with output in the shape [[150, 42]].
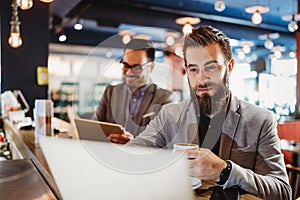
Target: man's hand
[[120, 138], [205, 165]]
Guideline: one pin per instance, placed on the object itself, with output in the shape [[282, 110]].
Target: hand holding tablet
[[95, 130]]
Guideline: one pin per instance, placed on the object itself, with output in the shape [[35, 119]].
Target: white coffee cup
[[184, 147], [181, 147]]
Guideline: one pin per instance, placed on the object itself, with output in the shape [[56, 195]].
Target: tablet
[[96, 130]]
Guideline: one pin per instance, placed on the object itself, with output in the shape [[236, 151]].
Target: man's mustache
[[131, 76], [206, 85]]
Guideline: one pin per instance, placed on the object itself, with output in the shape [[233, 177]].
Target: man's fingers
[[119, 138], [199, 153], [192, 154]]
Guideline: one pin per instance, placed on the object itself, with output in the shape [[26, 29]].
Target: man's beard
[[213, 104], [135, 82]]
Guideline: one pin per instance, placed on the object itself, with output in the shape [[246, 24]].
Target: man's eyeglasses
[[194, 69], [134, 68]]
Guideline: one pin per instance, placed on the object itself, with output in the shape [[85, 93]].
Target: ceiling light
[[241, 55], [246, 49], [15, 39], [187, 23], [248, 60], [257, 10], [170, 40], [126, 39], [292, 26], [78, 25], [142, 36], [187, 28], [294, 18], [246, 45], [46, 1], [256, 18], [220, 6], [277, 54], [126, 35], [25, 4], [278, 51], [62, 38], [269, 44], [108, 53], [292, 54]]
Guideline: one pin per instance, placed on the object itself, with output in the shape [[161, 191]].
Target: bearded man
[[238, 141]]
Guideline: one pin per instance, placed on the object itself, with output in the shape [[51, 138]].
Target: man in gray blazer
[[137, 100], [238, 141]]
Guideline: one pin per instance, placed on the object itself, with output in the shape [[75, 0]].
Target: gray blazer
[[248, 139], [112, 107]]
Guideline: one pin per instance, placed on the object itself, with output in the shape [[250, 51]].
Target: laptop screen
[[99, 170]]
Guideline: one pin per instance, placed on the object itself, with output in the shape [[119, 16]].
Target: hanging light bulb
[[15, 39], [187, 28], [257, 10], [269, 44], [187, 23], [220, 6], [256, 17], [293, 26], [26, 4]]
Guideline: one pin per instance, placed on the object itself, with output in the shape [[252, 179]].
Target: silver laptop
[[99, 170], [95, 130]]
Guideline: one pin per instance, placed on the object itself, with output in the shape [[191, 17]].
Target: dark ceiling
[[105, 18]]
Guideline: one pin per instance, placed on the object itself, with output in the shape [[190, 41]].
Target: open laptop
[[95, 130], [86, 169]]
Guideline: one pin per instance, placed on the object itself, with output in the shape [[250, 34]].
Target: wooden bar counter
[[23, 146]]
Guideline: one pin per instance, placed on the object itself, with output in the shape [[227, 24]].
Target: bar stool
[[294, 174]]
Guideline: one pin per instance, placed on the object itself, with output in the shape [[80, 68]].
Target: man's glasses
[[194, 69], [134, 68]]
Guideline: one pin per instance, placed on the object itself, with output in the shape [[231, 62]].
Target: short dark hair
[[205, 35], [142, 44]]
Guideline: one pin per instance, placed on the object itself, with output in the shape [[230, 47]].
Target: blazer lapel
[[192, 124], [118, 103], [229, 129]]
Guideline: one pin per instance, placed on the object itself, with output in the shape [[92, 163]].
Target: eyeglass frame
[[134, 68]]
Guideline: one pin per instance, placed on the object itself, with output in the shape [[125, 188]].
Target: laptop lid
[[99, 170], [95, 130]]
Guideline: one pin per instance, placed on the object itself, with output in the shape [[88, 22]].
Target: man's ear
[[151, 66], [230, 65]]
